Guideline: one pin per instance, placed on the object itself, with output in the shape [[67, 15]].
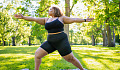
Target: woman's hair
[[57, 12]]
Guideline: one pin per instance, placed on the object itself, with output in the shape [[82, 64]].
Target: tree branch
[[44, 9], [72, 7]]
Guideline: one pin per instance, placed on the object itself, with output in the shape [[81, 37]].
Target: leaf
[[75, 1]]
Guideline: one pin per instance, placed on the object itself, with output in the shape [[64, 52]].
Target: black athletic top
[[54, 26]]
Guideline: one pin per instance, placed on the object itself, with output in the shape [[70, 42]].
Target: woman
[[57, 39]]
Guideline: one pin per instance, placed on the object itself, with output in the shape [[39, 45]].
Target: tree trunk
[[3, 41], [29, 41], [113, 37], [71, 37], [107, 27], [104, 36], [109, 36], [13, 41], [118, 39], [96, 41], [119, 13], [0, 42], [119, 6], [93, 40], [67, 13], [9, 43], [71, 33]]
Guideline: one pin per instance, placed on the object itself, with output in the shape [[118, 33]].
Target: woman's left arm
[[69, 20]]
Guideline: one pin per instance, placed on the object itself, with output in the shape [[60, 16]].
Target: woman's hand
[[20, 16], [89, 19]]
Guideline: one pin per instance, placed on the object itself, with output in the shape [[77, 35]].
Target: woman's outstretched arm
[[38, 20], [68, 20]]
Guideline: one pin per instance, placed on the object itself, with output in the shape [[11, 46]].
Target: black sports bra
[[54, 26]]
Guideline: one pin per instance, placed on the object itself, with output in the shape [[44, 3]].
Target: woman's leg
[[43, 50], [70, 58], [64, 49], [38, 55]]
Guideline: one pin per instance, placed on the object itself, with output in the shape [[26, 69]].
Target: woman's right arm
[[38, 20]]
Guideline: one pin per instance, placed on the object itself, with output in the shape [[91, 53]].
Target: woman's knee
[[39, 53], [71, 59]]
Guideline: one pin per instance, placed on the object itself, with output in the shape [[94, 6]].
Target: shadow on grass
[[17, 58], [97, 58], [12, 58], [18, 65], [55, 62], [80, 59]]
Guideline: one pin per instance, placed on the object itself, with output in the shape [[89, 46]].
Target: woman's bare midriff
[[55, 33]]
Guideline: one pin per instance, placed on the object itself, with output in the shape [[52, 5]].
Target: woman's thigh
[[47, 47], [64, 47], [44, 49]]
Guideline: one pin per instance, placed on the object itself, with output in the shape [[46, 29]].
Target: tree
[[106, 16], [71, 34], [67, 13], [4, 23]]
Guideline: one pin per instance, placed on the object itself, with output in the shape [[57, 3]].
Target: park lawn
[[91, 57]]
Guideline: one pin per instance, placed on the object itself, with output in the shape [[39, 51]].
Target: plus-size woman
[[57, 39]]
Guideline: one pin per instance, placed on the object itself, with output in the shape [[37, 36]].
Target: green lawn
[[91, 57]]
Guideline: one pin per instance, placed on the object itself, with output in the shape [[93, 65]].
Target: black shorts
[[57, 42]]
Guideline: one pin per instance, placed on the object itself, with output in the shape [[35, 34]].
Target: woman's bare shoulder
[[46, 18], [62, 16]]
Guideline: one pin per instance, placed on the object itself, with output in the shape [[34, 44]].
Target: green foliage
[[75, 1], [22, 29], [4, 23], [43, 8], [117, 38], [101, 10], [104, 11], [39, 31]]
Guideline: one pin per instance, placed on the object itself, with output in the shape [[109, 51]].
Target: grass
[[91, 57]]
